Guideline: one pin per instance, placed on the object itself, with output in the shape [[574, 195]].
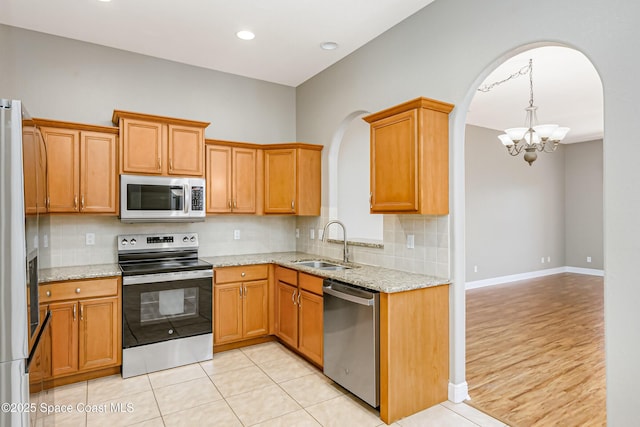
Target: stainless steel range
[[166, 302]]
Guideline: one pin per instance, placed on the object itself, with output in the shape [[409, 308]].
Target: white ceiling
[[566, 89], [287, 50]]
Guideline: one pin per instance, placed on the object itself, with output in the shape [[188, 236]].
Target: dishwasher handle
[[349, 294]]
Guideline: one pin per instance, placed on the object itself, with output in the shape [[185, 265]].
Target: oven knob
[[124, 242], [133, 241], [170, 331], [185, 239], [193, 238]]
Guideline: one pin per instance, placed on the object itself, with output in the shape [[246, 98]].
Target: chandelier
[[532, 137]]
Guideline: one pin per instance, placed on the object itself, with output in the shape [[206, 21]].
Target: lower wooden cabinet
[[241, 303], [299, 311], [85, 333]]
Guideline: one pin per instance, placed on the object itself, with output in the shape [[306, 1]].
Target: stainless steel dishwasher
[[352, 339]]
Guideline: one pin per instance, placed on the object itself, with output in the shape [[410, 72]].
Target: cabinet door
[[394, 163], [218, 179], [63, 169], [310, 326], [186, 150], [227, 313], [142, 144], [98, 173], [33, 163], [244, 180], [255, 312], [64, 338], [100, 334], [280, 181], [287, 313]]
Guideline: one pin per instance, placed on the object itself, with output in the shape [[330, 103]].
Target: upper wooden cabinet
[[293, 179], [82, 170], [156, 145], [232, 171], [410, 158]]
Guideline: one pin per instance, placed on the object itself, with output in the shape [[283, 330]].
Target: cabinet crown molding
[[119, 114], [74, 126], [430, 104]]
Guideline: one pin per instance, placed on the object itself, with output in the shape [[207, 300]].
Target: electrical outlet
[[588, 259], [236, 234], [297, 233], [411, 241], [320, 233], [475, 268], [542, 260], [45, 240], [312, 233], [90, 239], [548, 259]]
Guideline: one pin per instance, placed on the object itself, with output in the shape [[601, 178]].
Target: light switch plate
[[236, 234], [312, 233], [411, 241]]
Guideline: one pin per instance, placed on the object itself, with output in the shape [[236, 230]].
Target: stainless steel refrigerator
[[23, 250]]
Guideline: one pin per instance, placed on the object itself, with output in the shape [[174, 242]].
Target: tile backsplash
[[430, 254], [257, 234]]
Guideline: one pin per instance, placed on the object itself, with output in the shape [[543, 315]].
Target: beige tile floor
[[261, 385]]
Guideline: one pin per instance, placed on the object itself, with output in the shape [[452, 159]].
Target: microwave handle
[[187, 198]]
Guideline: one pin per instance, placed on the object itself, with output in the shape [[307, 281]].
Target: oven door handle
[[166, 277]]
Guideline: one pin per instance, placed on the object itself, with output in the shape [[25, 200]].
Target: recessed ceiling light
[[329, 45], [245, 35], [105, 1]]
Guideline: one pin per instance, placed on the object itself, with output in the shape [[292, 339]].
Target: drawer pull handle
[[48, 293], [77, 290]]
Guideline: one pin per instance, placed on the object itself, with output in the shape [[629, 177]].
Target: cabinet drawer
[[287, 275], [310, 283], [243, 273], [78, 289]]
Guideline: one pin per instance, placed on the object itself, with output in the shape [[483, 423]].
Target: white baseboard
[[458, 393], [531, 275], [589, 271]]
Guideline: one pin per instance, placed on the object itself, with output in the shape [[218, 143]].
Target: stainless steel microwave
[[161, 199]]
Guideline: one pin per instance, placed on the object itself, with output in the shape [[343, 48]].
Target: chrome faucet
[[345, 256]]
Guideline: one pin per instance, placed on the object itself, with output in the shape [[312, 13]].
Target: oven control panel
[[131, 242]]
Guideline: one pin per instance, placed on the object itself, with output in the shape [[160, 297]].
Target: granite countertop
[[57, 274], [367, 276]]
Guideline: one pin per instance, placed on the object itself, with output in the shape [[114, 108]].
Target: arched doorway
[[463, 268]]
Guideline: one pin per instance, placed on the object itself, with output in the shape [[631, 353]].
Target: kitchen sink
[[322, 265]]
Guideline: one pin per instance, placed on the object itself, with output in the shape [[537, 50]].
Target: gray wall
[[584, 205], [444, 52], [64, 79], [515, 212]]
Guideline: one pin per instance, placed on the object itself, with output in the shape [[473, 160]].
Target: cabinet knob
[[48, 293], [243, 274], [77, 290]]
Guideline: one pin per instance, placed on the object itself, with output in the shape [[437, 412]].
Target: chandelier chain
[[521, 72]]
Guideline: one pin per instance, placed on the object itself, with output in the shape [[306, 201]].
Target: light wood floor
[[535, 351]]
